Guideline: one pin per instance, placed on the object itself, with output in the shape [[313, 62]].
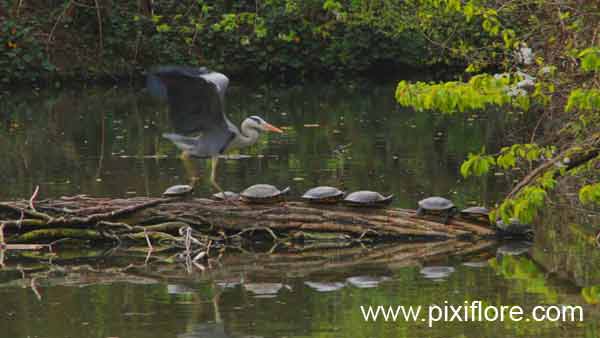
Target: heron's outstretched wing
[[196, 98]]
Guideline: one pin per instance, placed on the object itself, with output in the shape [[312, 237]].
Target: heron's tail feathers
[[185, 143]]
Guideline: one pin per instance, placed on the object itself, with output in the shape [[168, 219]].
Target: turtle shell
[[227, 195], [368, 198], [436, 203], [178, 190], [263, 193], [478, 213], [323, 194]]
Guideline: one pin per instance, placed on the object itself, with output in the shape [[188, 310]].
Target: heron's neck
[[248, 136]]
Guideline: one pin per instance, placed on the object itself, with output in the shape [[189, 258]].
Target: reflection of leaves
[[591, 294], [590, 194], [524, 269]]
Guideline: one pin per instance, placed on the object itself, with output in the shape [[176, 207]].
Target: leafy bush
[[273, 38], [22, 57], [557, 83]]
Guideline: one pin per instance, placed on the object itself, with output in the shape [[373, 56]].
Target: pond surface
[[108, 142]]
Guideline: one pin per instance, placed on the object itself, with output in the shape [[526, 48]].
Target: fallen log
[[98, 219]]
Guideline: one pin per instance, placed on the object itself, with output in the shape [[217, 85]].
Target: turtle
[[227, 196], [514, 228], [366, 198], [178, 190], [323, 194], [263, 193], [438, 206], [476, 213]]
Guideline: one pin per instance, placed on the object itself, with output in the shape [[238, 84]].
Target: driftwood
[[195, 230], [163, 219]]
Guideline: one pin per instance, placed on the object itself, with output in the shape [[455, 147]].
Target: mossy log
[[165, 219]]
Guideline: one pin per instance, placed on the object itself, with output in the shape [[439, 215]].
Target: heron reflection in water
[[196, 99]]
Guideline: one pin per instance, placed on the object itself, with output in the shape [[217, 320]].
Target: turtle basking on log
[[437, 206], [180, 190], [323, 195], [514, 228], [140, 219], [366, 198], [263, 193], [226, 196], [476, 213]]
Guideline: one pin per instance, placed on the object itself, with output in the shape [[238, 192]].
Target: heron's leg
[[213, 181], [191, 168], [213, 174]]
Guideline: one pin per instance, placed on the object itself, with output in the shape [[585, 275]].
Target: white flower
[[545, 70], [524, 55], [500, 76], [514, 91]]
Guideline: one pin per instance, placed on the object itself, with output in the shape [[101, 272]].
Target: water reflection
[[265, 290], [366, 282], [513, 248], [476, 264], [268, 295], [324, 286], [437, 272]]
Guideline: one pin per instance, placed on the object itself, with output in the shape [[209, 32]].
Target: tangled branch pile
[[197, 224]]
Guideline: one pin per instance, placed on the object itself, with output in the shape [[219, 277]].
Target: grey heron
[[196, 100]]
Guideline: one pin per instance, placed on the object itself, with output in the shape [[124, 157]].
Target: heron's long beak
[[272, 128]]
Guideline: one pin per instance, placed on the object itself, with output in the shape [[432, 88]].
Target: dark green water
[[108, 142]]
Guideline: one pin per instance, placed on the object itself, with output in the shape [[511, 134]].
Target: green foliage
[[274, 38], [528, 202], [460, 30], [591, 294], [22, 57], [507, 158], [590, 194], [583, 99], [590, 59], [450, 97], [477, 164], [507, 30], [530, 152]]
